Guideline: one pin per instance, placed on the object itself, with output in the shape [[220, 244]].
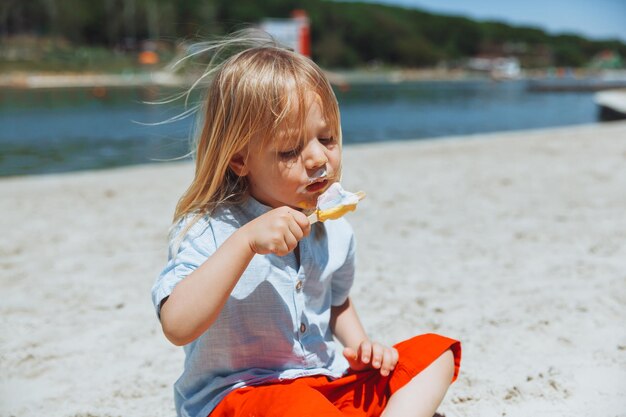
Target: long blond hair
[[250, 95]]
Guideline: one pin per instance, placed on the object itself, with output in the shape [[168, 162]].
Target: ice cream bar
[[334, 203]]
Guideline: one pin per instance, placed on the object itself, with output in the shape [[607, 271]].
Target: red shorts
[[356, 394]]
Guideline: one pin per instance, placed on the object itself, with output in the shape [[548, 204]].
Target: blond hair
[[251, 94]]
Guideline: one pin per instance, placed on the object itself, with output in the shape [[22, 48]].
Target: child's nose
[[316, 157]]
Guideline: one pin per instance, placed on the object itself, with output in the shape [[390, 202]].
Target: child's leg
[[421, 396]]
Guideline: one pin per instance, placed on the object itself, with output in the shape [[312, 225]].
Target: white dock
[[612, 104]]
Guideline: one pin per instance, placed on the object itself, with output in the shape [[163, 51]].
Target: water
[[435, 109], [58, 130]]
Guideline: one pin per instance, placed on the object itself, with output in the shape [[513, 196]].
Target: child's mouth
[[317, 186]]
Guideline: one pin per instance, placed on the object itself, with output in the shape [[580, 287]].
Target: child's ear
[[238, 164]]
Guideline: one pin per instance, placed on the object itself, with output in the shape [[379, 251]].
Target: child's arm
[[360, 352], [196, 301]]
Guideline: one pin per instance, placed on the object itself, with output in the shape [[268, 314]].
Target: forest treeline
[[344, 34]]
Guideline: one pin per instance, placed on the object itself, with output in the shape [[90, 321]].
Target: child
[[253, 291]]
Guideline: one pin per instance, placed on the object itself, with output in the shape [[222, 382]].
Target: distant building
[[294, 33]]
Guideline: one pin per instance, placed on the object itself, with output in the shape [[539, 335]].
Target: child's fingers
[[350, 354], [302, 221], [354, 358], [288, 244], [365, 351], [372, 354], [293, 233], [286, 231], [295, 229], [388, 363], [395, 356], [377, 355]]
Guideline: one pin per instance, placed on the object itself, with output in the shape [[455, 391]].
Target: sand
[[513, 243]]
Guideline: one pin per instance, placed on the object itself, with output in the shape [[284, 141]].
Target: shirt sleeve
[[186, 253], [344, 277]]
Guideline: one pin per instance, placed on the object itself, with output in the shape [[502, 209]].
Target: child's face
[[288, 172]]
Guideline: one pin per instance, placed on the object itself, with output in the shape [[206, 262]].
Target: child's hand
[[277, 231], [372, 355]]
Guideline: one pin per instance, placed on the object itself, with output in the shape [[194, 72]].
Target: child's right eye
[[291, 154]]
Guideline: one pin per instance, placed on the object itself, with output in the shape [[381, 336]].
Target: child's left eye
[[326, 141]]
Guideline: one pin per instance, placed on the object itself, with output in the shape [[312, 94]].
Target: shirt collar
[[253, 208]]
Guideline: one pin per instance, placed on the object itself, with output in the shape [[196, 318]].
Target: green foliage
[[344, 34]]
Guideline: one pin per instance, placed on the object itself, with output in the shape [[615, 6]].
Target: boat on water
[[611, 104], [607, 80]]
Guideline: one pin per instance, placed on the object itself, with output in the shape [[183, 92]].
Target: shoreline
[[338, 77], [34, 80], [25, 80], [511, 242], [541, 78]]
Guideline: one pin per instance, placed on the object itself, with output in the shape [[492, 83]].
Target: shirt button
[[302, 327], [299, 286]]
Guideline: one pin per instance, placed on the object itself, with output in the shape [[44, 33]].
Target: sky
[[595, 19]]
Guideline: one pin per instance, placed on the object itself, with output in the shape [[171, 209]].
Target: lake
[[59, 130]]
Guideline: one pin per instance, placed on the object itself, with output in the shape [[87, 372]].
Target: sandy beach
[[514, 243]]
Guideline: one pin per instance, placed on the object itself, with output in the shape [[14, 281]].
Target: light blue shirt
[[275, 324]]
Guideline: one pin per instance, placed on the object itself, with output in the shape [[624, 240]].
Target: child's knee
[[447, 364], [441, 369]]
